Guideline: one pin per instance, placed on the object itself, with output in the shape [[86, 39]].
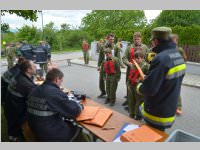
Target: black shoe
[[125, 103], [126, 108], [138, 117], [132, 116], [106, 101], [101, 95]]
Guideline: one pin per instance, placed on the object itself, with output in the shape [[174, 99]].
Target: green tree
[[65, 26], [26, 14], [5, 27], [50, 35], [178, 17], [31, 34], [101, 21]]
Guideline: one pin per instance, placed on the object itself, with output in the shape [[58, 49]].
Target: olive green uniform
[[101, 74], [86, 55], [134, 99], [112, 81], [117, 52], [126, 57], [10, 52]]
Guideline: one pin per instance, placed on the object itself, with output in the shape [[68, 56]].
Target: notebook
[[141, 134], [88, 112], [100, 118]]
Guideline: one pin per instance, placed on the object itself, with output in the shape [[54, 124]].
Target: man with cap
[[101, 58], [174, 38], [112, 76], [129, 54], [10, 54], [162, 84], [109, 43]]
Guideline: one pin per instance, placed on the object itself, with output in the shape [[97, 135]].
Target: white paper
[[130, 127], [117, 140], [127, 128]]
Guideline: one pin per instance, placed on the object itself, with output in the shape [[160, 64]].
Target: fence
[[192, 52]]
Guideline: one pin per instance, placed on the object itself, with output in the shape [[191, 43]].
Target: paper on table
[[127, 128], [131, 127]]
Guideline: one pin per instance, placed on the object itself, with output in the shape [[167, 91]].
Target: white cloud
[[72, 17], [151, 14]]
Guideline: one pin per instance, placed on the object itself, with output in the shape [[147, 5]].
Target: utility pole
[[42, 25]]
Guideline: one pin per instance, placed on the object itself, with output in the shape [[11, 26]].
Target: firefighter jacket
[[41, 54], [17, 94], [47, 105], [6, 78], [27, 51], [162, 84]]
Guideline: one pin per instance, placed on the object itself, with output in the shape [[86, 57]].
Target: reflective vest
[[109, 67], [133, 76]]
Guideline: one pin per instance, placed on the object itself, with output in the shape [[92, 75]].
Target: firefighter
[[134, 77], [85, 49], [41, 56], [112, 76], [175, 38], [101, 58], [129, 55], [26, 50], [161, 86], [17, 95], [48, 105], [10, 52]]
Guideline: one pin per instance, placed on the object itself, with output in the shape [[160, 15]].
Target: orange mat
[[141, 134], [100, 118], [88, 112]]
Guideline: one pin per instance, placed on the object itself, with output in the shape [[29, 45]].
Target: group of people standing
[[40, 54], [158, 91], [154, 77]]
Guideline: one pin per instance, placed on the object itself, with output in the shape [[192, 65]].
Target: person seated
[[17, 93], [48, 105]]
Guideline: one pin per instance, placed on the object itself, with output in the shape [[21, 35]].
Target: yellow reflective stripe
[[176, 69], [137, 89], [155, 118]]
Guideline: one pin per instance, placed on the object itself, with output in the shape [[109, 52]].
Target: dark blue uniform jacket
[[50, 100]]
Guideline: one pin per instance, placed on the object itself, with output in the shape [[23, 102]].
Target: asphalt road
[[193, 69], [85, 79]]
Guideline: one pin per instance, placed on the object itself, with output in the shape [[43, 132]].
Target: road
[[85, 79]]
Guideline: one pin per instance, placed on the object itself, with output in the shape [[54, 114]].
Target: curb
[[193, 63], [191, 85]]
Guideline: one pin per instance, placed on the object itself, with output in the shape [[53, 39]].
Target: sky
[[72, 17]]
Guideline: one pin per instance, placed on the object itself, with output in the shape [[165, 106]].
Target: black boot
[[106, 101], [101, 95], [125, 103]]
